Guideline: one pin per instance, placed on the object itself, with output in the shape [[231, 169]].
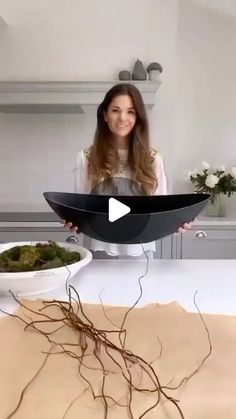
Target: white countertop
[[166, 281], [215, 221], [30, 224]]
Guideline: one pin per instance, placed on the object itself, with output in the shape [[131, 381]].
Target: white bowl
[[37, 282]]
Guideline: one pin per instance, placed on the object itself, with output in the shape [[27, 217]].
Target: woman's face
[[121, 116]]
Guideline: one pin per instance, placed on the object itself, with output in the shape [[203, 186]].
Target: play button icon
[[112, 215], [116, 209]]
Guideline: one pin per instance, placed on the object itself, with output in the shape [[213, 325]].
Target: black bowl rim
[[133, 196]]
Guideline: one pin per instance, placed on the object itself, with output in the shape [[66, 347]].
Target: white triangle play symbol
[[116, 209]]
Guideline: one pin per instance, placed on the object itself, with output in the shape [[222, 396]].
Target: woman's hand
[[70, 226], [184, 227]]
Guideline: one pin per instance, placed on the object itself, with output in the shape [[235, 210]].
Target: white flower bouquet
[[213, 180]]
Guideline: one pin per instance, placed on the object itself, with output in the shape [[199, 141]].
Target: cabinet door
[[207, 244], [166, 247]]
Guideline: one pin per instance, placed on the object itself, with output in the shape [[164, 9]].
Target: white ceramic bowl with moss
[[37, 282]]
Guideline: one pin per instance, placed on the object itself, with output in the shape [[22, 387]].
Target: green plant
[[39, 257], [213, 180]]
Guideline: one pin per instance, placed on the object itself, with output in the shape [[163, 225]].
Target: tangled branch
[[107, 347]]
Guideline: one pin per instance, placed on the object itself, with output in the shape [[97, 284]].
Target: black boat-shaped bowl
[[150, 217]]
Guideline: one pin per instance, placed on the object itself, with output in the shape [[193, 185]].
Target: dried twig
[[28, 385], [96, 343]]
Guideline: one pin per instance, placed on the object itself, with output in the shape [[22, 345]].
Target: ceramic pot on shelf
[[139, 72]]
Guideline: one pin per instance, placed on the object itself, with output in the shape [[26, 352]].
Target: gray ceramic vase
[[139, 72]]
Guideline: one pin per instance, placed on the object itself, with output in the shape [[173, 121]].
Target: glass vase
[[216, 207]]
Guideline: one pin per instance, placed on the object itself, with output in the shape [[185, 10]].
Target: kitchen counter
[[167, 280], [14, 220], [28, 217], [32, 216]]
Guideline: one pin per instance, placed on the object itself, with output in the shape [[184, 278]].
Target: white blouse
[[82, 185]]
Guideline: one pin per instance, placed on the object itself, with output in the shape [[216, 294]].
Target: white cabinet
[[206, 240], [164, 247], [17, 234]]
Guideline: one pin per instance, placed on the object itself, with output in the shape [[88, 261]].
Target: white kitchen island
[[183, 336], [116, 281]]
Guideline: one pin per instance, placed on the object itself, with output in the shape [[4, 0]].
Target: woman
[[121, 151]]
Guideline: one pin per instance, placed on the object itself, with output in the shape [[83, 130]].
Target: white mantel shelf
[[63, 96]]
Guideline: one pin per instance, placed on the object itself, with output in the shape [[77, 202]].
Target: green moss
[[41, 256], [55, 263], [28, 256], [47, 253], [13, 253]]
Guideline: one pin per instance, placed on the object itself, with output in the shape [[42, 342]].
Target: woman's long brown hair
[[104, 157]]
